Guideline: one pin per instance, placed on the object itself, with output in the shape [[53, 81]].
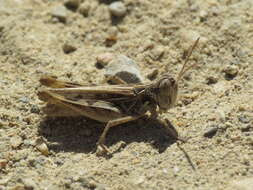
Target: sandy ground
[[155, 34]]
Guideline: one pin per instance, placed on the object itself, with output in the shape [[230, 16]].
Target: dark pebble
[[35, 109], [211, 80], [68, 48], [210, 132]]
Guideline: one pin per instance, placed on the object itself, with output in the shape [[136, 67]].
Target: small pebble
[[27, 142], [211, 80], [3, 163], [42, 147], [245, 160], [153, 74], [203, 15], [242, 108], [244, 119], [229, 125], [249, 140], [125, 68], [231, 70], [29, 184], [117, 9], [157, 53], [72, 4], [16, 141], [82, 179], [112, 31], [235, 138], [210, 132], [1, 28], [189, 37], [60, 12], [103, 59], [176, 169], [24, 100], [4, 181], [110, 41], [221, 115], [35, 109], [111, 38], [84, 9], [246, 128], [100, 187], [68, 48]]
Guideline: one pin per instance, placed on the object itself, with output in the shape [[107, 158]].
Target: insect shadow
[[81, 135]]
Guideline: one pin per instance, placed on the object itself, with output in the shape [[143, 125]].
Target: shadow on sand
[[81, 135]]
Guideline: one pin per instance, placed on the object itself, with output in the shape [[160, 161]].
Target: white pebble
[[117, 9], [124, 68], [104, 58], [60, 12]]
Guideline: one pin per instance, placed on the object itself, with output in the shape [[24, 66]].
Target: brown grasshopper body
[[112, 104]]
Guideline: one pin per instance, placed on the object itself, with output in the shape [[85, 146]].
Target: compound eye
[[172, 81], [164, 94]]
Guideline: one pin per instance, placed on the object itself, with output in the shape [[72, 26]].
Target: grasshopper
[[112, 104]]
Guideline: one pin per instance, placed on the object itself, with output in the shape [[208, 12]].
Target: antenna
[[189, 53]]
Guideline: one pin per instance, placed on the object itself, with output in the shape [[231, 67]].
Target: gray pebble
[[211, 131], [83, 180], [124, 68], [68, 48], [244, 119], [117, 9], [24, 99], [60, 12]]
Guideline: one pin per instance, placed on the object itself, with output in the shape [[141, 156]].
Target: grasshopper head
[[166, 88], [166, 92]]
